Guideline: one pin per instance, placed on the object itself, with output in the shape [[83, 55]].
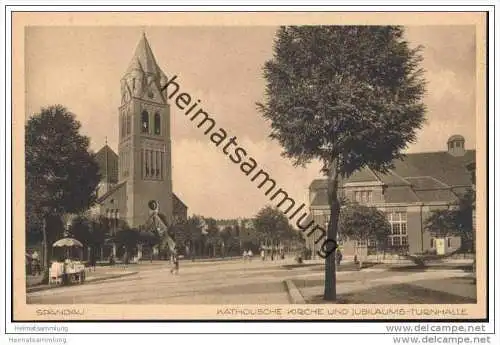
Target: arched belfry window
[[145, 122], [157, 124]]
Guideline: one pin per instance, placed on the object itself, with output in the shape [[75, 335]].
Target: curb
[[293, 293], [373, 270], [87, 282]]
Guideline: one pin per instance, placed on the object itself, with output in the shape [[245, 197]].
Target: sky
[[81, 68]]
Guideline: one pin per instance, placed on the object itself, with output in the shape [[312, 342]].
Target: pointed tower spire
[[143, 58]]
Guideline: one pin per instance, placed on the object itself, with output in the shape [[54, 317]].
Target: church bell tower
[[144, 138]]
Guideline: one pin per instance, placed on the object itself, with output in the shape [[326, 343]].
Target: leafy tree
[[212, 235], [128, 238], [61, 173], [349, 96], [91, 231], [227, 239], [455, 221], [363, 223], [272, 225], [193, 230]]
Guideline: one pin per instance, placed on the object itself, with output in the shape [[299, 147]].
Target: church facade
[[141, 171]]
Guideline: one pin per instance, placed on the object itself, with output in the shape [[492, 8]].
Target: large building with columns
[[418, 184]]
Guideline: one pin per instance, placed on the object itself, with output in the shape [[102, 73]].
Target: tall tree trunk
[[330, 293], [45, 279]]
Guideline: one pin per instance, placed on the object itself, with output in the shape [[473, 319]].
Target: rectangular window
[[369, 196], [403, 228], [153, 164], [151, 167], [402, 216], [157, 164], [449, 242], [398, 219], [161, 165], [432, 243], [123, 120], [396, 228], [128, 124]]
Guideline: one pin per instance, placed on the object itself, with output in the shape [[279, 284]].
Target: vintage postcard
[[249, 166]]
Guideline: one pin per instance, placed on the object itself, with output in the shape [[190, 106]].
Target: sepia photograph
[[282, 169]]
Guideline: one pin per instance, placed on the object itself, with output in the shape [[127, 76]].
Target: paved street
[[197, 283], [222, 282]]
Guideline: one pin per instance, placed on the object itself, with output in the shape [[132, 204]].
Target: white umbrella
[[67, 242]]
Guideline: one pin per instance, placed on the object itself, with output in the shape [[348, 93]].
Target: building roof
[[442, 166], [400, 194], [144, 59], [456, 137], [177, 200], [426, 183], [424, 177], [107, 160], [321, 197], [111, 192]]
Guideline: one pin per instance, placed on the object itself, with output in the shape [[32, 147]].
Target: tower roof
[[107, 160], [143, 58]]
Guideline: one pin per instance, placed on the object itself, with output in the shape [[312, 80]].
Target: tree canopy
[[348, 96], [350, 93], [272, 224], [454, 221], [61, 172], [363, 223]]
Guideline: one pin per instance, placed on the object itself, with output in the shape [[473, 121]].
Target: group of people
[[274, 255], [247, 255]]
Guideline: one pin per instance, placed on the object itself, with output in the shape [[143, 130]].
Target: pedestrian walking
[[175, 261], [338, 256], [250, 254], [125, 259], [35, 260], [245, 255], [263, 254]]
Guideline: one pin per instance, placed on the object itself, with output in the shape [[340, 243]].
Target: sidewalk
[[33, 283], [419, 287]]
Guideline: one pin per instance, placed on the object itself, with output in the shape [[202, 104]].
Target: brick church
[[142, 169]]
